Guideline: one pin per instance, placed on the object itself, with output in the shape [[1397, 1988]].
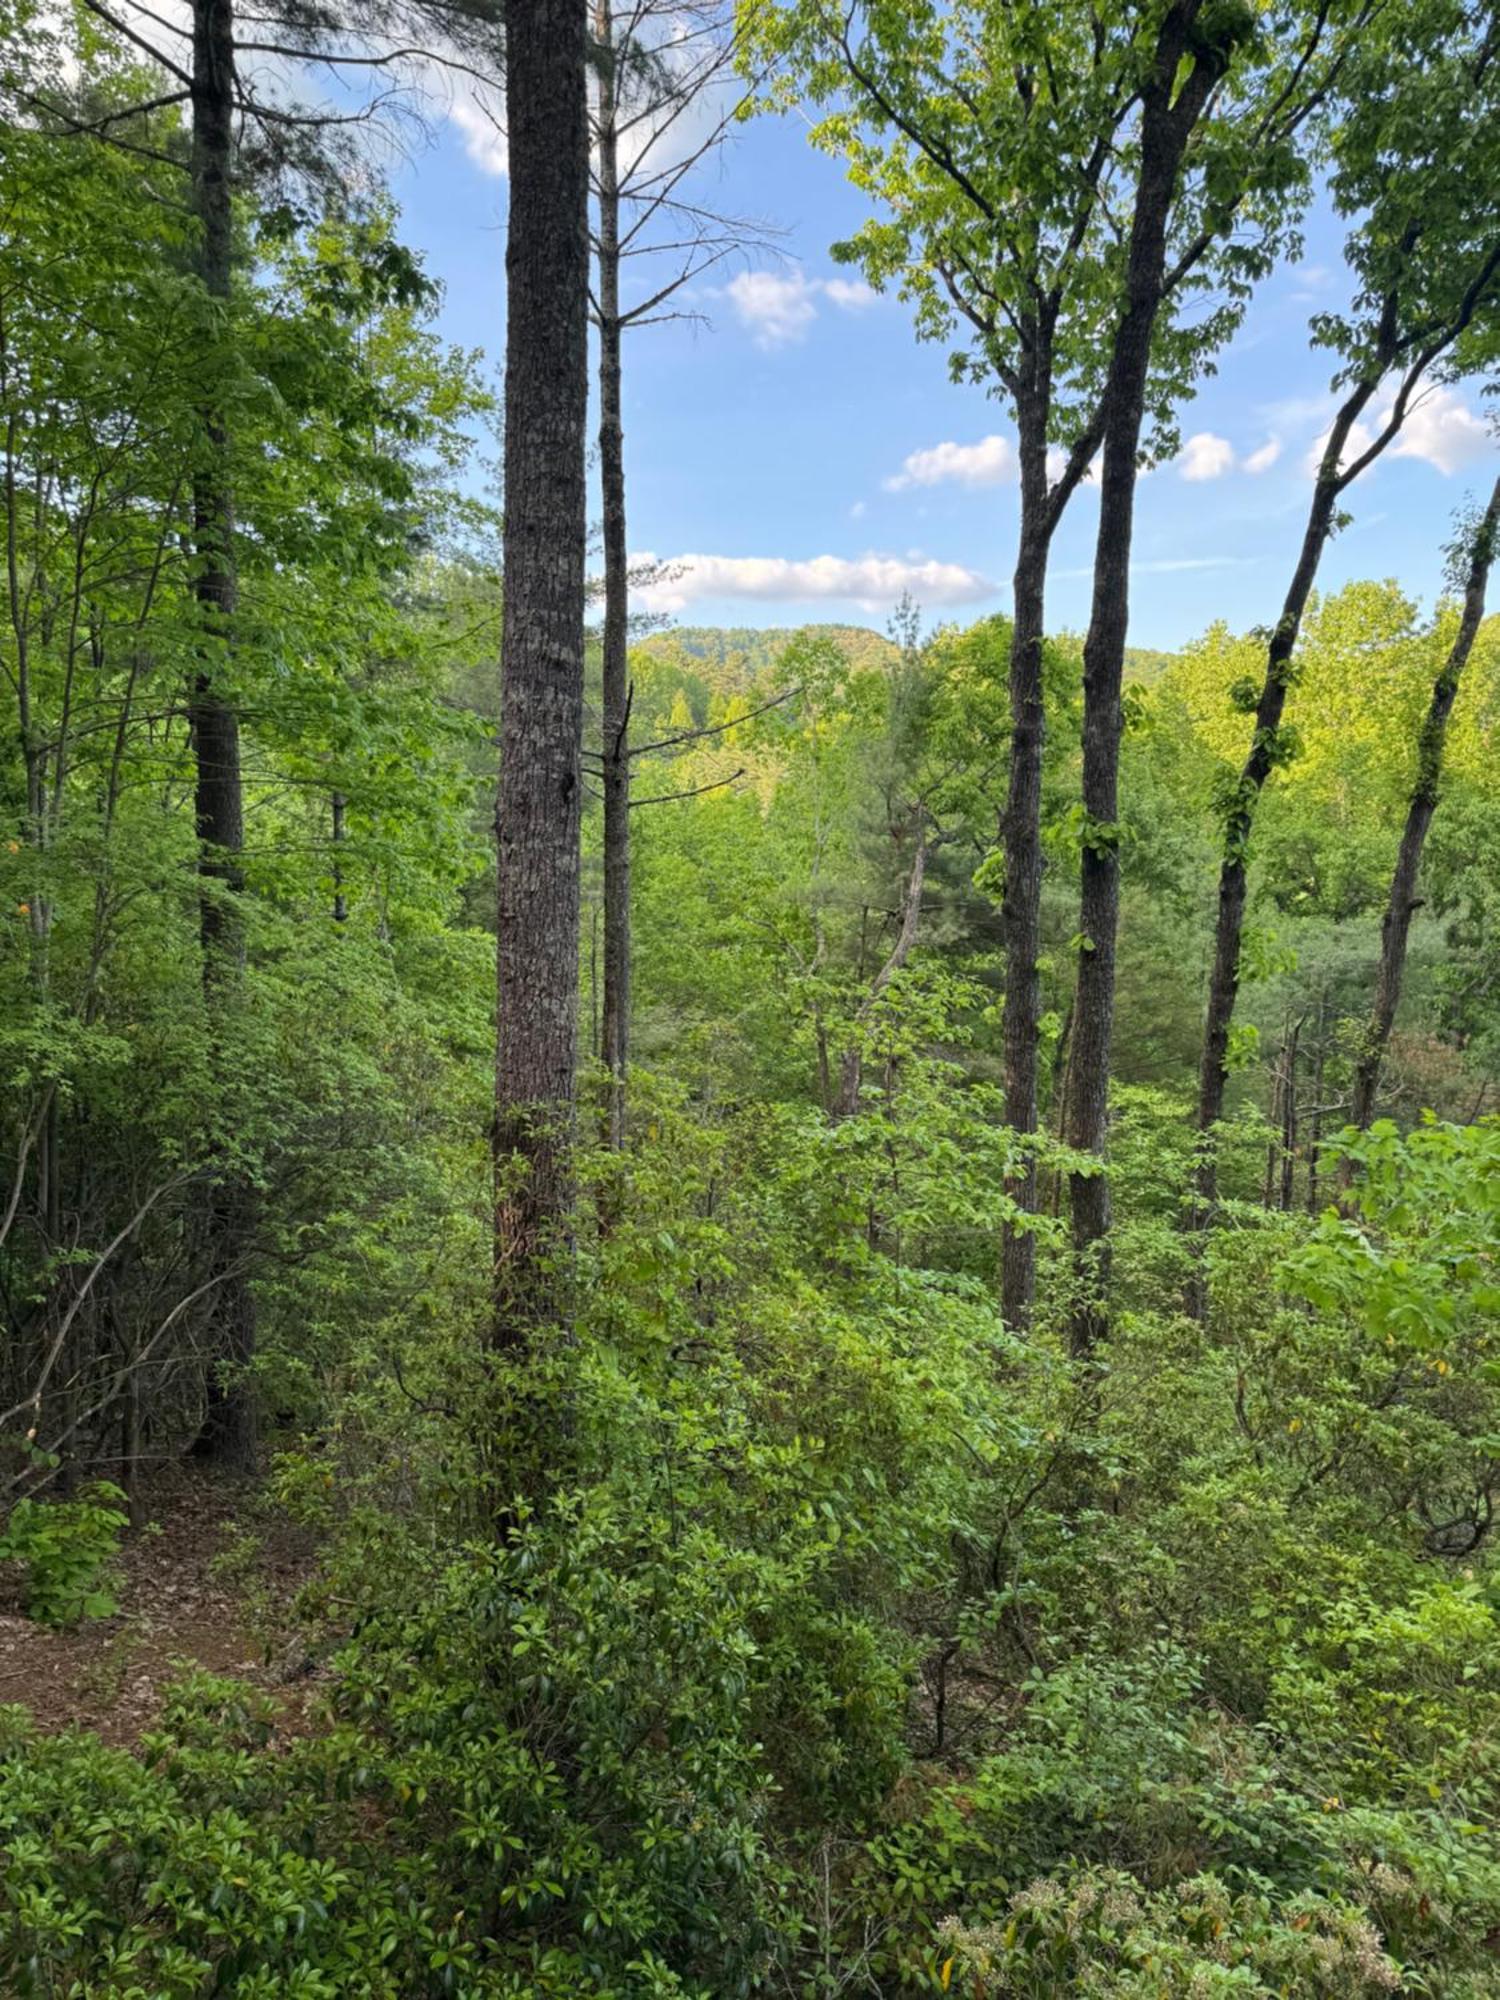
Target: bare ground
[[203, 1584]]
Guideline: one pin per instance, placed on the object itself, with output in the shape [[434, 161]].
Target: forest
[[703, 1310]]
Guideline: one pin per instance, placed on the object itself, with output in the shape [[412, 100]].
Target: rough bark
[[229, 1431], [1022, 839], [541, 708], [615, 749], [1168, 116], [1402, 904]]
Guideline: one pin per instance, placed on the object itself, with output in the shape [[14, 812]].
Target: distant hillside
[[733, 658], [730, 659]]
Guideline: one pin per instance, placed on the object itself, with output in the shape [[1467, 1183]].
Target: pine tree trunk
[[541, 707], [229, 1430], [1169, 112], [1396, 926], [616, 675]]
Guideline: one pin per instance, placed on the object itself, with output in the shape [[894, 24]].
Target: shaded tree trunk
[[1403, 903], [1021, 830], [340, 900], [229, 1431], [541, 706], [1169, 113], [615, 749]]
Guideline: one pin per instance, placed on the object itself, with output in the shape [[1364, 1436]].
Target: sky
[[795, 455]]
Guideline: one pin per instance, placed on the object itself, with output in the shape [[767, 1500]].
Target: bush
[[67, 1546]]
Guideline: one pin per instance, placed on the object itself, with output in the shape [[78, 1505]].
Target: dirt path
[[195, 1589]]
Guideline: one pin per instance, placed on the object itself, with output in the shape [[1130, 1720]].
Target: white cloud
[[483, 134], [851, 294], [776, 309], [1206, 456], [989, 463], [1264, 456], [872, 581], [858, 511], [1442, 430]]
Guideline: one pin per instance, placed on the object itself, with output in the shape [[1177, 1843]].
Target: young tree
[[1473, 559], [656, 63], [1426, 252], [541, 700]]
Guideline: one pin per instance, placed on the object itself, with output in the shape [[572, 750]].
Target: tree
[[541, 689], [1002, 144], [1427, 253], [229, 1431], [655, 62], [1472, 563]]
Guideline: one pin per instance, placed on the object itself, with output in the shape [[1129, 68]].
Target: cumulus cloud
[[990, 462], [1264, 456], [1443, 431], [778, 307], [871, 581], [1206, 456]]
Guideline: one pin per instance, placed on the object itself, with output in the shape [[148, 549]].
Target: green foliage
[[66, 1547], [788, 1627]]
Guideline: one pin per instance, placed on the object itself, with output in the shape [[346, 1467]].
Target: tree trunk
[[1168, 115], [1396, 926], [1022, 836], [851, 1064], [541, 706], [615, 749], [1224, 979], [1289, 1118], [229, 1430], [340, 900]]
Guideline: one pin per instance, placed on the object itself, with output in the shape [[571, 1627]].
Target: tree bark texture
[[1021, 831], [541, 707]]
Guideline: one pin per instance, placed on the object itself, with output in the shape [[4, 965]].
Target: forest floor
[[197, 1590]]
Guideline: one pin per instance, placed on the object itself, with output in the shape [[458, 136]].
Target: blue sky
[[814, 460]]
